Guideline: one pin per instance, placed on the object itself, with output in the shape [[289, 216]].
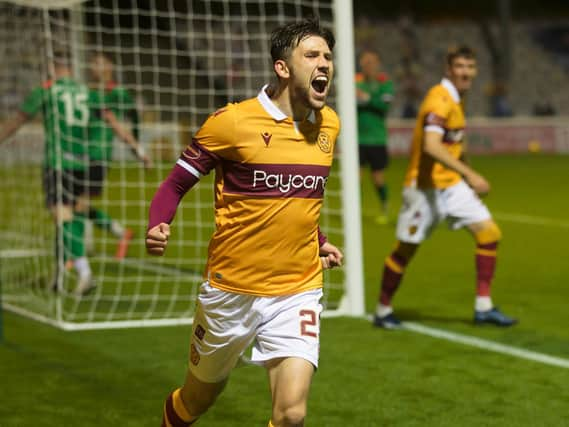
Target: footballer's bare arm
[[433, 146], [12, 125], [126, 135]]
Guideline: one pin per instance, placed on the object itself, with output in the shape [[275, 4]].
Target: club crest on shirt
[[412, 230], [194, 355], [323, 142], [267, 138]]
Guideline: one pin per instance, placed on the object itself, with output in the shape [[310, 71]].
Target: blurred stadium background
[[180, 70]]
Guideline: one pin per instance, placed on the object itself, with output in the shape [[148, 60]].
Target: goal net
[[174, 63]]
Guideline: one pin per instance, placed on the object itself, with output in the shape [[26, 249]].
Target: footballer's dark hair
[[369, 51], [285, 38], [461, 51]]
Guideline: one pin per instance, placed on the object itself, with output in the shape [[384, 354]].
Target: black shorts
[[62, 186], [95, 179], [376, 156]]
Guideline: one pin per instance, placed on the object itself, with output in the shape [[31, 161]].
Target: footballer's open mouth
[[319, 84]]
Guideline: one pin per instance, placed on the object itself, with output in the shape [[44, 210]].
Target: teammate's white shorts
[[226, 324], [422, 210]]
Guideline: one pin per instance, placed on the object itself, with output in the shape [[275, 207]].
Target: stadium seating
[[536, 74]]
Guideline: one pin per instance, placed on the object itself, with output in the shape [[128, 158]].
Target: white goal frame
[[352, 300]]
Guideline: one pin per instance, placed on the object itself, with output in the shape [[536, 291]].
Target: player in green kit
[[64, 104], [374, 93], [110, 104]]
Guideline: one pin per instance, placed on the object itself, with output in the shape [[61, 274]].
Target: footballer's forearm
[[165, 201], [433, 146], [134, 118], [13, 125], [381, 102], [123, 133]]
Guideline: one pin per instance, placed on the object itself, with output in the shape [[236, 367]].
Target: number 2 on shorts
[[308, 324]]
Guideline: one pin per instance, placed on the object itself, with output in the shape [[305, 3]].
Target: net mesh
[[177, 62]]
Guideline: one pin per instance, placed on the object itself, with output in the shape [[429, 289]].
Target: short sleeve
[[217, 134], [213, 142], [121, 101], [437, 110]]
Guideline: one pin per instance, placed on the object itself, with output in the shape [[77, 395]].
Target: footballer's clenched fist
[[157, 239]]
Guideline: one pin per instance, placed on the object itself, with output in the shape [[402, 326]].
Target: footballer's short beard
[[317, 105], [304, 94], [301, 95]]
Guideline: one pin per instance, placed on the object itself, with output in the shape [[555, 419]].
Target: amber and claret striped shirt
[[442, 112], [270, 176]]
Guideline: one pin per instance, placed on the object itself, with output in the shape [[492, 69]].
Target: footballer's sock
[[485, 267], [77, 243], [104, 221], [100, 218], [89, 237], [383, 310], [175, 412], [82, 267], [392, 273], [67, 239], [383, 193], [117, 229]]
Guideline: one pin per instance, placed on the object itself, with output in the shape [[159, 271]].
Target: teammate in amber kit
[[272, 155], [439, 185]]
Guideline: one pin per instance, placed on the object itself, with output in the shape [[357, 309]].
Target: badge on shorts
[[199, 332], [194, 355]]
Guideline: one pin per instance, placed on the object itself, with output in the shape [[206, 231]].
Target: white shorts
[[422, 210], [226, 324]]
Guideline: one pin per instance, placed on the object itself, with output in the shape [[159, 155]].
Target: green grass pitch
[[367, 377]]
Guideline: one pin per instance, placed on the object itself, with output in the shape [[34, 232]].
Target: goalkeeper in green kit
[[374, 93], [110, 104]]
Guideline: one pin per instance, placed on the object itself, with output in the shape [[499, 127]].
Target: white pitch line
[[529, 219], [487, 345], [152, 267], [22, 253]]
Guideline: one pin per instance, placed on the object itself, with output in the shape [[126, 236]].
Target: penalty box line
[[487, 345]]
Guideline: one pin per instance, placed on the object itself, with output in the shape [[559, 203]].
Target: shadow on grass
[[421, 317]]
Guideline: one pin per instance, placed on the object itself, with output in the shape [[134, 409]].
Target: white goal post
[[178, 61]]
